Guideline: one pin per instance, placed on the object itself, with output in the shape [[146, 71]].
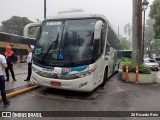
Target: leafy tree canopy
[[15, 25], [128, 29], [0, 28], [125, 44], [154, 8], [155, 14], [149, 33], [156, 46]]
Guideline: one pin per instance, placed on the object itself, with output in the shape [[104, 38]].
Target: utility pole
[[44, 9], [137, 32], [118, 31]]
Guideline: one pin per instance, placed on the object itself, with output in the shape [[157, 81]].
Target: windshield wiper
[[53, 43]]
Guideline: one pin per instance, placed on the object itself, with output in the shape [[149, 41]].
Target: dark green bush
[[144, 69], [132, 68], [124, 59]]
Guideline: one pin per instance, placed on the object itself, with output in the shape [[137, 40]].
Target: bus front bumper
[[81, 84]]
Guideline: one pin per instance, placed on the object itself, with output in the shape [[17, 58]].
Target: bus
[[126, 53], [74, 51], [20, 45]]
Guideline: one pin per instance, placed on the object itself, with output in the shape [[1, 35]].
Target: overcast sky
[[118, 12]]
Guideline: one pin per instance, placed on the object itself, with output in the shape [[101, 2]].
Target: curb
[[9, 95]]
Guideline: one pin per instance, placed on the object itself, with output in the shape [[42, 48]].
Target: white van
[[157, 59], [152, 64]]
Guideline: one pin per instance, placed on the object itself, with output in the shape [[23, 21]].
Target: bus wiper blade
[[49, 48]]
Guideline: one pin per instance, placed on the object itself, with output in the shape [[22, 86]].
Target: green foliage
[[157, 27], [155, 14], [124, 59], [0, 28], [125, 44], [144, 69], [154, 8], [132, 68], [15, 25], [149, 33], [128, 29], [156, 46]]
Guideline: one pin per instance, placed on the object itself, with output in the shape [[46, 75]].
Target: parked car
[[157, 59], [152, 64]]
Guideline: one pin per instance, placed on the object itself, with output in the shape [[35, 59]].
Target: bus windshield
[[66, 40]]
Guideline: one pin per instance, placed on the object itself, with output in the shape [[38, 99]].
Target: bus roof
[[75, 15]]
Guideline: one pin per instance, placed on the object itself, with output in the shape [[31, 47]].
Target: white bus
[[74, 51]]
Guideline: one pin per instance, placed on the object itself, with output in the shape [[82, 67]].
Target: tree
[[137, 56], [155, 14], [125, 44], [148, 36], [156, 46], [15, 25], [128, 31], [0, 28]]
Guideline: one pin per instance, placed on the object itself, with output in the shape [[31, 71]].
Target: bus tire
[[105, 77]]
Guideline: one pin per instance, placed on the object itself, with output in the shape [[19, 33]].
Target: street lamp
[[144, 7]]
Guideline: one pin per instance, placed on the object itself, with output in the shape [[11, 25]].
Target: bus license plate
[[55, 83]]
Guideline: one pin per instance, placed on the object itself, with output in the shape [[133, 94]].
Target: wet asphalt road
[[115, 96]]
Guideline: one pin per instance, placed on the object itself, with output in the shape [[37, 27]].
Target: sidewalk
[[20, 70]]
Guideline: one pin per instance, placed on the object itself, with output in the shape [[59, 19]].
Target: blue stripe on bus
[[65, 71]]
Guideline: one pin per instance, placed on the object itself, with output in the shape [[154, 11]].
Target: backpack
[[15, 58]]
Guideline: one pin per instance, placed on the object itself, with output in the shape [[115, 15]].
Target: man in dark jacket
[[11, 57]]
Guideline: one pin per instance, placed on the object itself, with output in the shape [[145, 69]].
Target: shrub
[[132, 68], [125, 59], [144, 69]]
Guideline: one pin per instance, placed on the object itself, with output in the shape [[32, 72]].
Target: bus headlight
[[86, 73], [80, 74]]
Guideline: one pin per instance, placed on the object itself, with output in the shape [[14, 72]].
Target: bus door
[[109, 60]]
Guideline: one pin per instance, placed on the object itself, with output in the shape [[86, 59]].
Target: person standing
[[3, 65], [29, 61], [11, 57]]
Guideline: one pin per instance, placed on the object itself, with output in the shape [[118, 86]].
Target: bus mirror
[[98, 29], [31, 30]]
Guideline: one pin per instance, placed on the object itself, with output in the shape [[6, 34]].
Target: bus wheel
[[104, 78]]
